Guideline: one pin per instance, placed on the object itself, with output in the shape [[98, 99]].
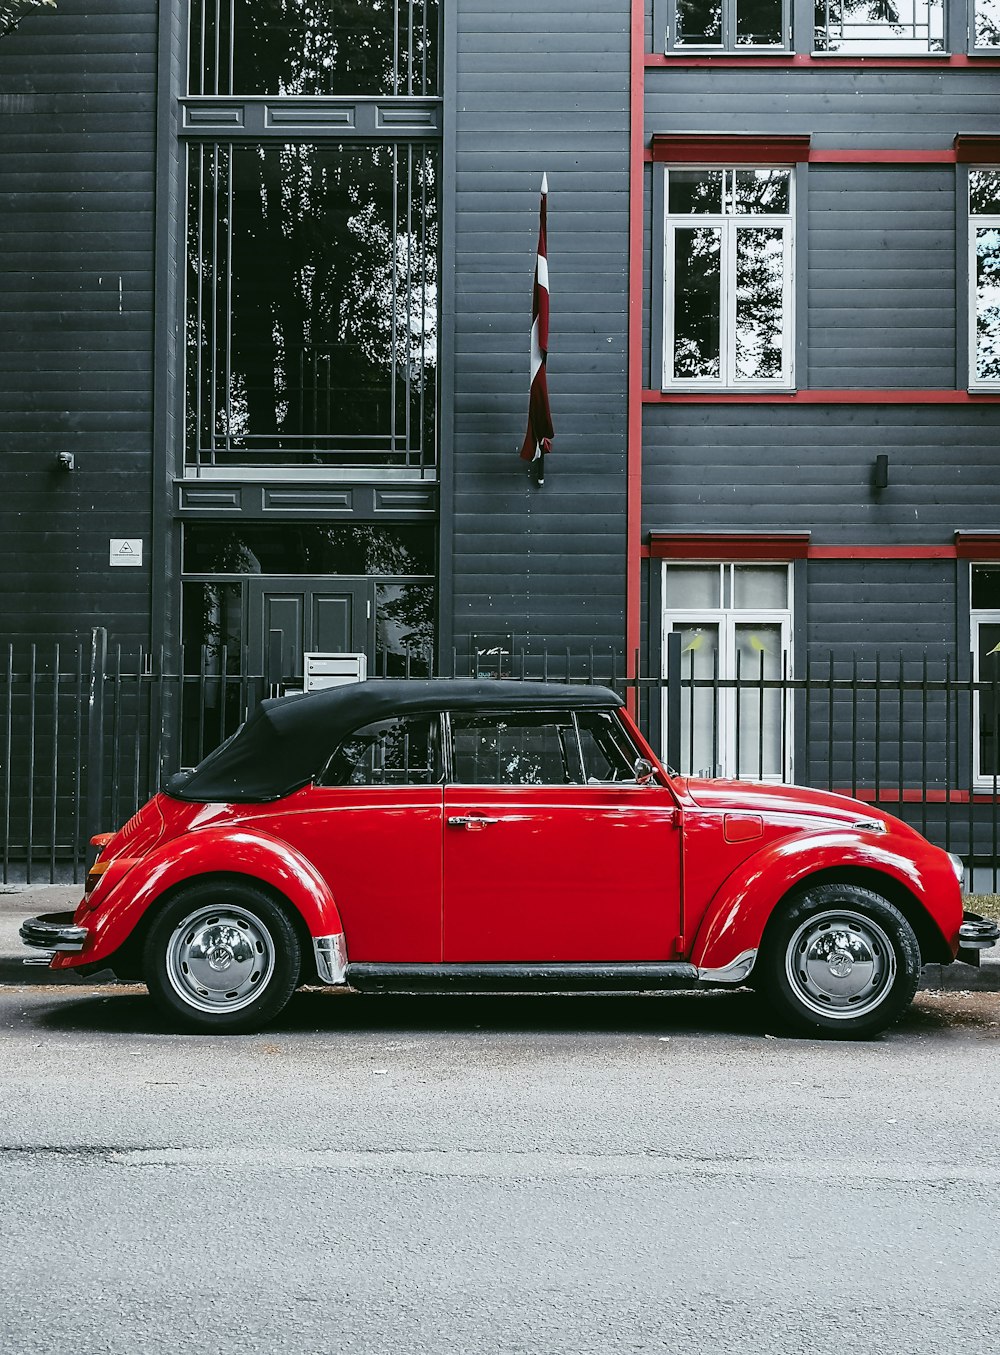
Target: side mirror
[[643, 769]]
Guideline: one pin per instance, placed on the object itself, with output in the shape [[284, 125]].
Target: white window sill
[[881, 49]]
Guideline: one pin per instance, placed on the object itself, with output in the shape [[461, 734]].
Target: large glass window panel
[[987, 310], [760, 587], [700, 704], [986, 587], [692, 587], [759, 715], [307, 548], [695, 191], [699, 23], [901, 26], [762, 191], [987, 23], [697, 279], [312, 305], [404, 629], [314, 47], [984, 192], [759, 23], [760, 318], [986, 637]]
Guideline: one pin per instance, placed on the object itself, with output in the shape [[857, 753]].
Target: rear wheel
[[840, 960], [222, 957]]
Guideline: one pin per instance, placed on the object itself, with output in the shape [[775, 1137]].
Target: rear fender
[[262, 859], [735, 919]]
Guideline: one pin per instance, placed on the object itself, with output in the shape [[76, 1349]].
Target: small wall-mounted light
[[880, 473], [65, 461]]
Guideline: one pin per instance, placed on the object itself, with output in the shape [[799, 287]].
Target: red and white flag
[[538, 438]]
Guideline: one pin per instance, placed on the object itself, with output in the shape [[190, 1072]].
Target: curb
[[953, 978]]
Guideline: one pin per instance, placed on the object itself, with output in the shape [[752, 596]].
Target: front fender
[[735, 919], [261, 858]]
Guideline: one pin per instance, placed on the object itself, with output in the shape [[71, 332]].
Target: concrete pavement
[[19, 902]]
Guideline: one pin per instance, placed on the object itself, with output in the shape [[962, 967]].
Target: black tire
[[215, 934], [839, 960]]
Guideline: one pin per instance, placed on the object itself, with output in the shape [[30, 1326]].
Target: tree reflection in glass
[[314, 47], [760, 283], [697, 310], [312, 304]]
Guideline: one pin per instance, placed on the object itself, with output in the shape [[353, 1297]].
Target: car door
[[552, 851], [372, 826]]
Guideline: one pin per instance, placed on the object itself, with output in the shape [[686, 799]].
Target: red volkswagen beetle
[[449, 835]]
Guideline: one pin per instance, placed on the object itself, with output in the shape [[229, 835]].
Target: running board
[[518, 978]]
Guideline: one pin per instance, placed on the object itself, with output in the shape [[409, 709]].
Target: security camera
[[64, 461]]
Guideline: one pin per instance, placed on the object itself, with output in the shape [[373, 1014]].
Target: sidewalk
[[27, 900]]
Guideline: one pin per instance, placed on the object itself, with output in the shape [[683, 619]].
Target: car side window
[[397, 752], [515, 749], [607, 752]]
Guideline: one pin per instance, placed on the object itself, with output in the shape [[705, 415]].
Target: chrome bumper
[[975, 934], [53, 932]]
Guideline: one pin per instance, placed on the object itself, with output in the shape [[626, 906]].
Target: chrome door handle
[[470, 821]]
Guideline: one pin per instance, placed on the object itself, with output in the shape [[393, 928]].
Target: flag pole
[[539, 434]]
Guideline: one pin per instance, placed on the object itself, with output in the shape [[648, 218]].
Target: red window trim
[[779, 546], [728, 148], [977, 545], [977, 148]]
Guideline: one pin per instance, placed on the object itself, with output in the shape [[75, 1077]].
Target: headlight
[[958, 866]]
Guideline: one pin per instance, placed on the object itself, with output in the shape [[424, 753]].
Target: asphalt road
[[399, 1175]]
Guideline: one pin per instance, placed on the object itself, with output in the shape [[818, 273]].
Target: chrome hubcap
[[840, 964], [219, 959]]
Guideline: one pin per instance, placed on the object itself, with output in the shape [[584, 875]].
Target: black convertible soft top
[[287, 741]]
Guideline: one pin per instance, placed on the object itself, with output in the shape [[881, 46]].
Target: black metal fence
[[88, 731]]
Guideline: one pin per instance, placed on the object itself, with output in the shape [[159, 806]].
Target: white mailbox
[[333, 670]]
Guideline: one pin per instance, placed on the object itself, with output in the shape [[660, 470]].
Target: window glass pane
[[987, 23], [694, 190], [700, 752], [404, 629], [760, 652], [293, 548], [762, 586], [692, 586], [984, 192], [988, 304], [897, 25], [700, 22], [763, 190], [303, 47], [607, 753], [387, 753], [515, 750], [312, 305], [986, 587], [759, 23], [697, 302], [988, 655], [760, 283]]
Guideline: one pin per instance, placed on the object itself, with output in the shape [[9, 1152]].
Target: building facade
[[266, 306]]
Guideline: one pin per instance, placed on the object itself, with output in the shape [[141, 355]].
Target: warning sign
[[126, 553]]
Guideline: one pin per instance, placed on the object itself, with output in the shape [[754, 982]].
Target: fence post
[[672, 740], [93, 818]]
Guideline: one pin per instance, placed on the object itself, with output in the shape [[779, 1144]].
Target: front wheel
[[222, 957], [840, 960]]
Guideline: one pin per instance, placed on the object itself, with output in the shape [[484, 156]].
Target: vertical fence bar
[[79, 855], [947, 752], [923, 746], [8, 733], [878, 725], [137, 733], [95, 729], [54, 764], [829, 727], [760, 719], [672, 738], [116, 737], [972, 761], [807, 717], [854, 724], [899, 732], [739, 712]]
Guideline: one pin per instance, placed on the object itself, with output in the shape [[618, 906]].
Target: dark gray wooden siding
[[77, 94], [771, 467], [540, 89]]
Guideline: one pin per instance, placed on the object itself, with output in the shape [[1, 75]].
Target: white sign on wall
[[126, 552]]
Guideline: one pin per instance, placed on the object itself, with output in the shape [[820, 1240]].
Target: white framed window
[[902, 27], [985, 25], [728, 25], [984, 277], [728, 278], [985, 636], [735, 624]]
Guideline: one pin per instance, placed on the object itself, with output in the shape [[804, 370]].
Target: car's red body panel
[[433, 874]]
